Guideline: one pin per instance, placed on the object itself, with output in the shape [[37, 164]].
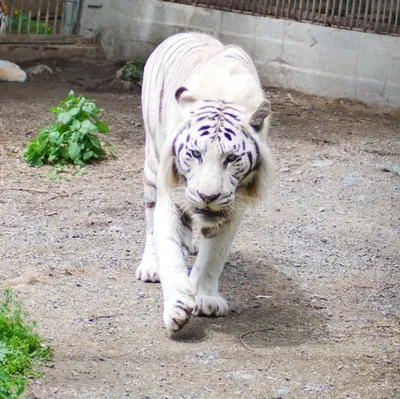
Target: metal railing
[[42, 16], [375, 16]]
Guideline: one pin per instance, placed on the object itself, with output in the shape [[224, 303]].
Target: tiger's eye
[[231, 158], [196, 154]]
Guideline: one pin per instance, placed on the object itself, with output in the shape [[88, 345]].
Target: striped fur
[[9, 72], [206, 123]]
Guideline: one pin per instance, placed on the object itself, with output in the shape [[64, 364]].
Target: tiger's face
[[217, 153], [3, 17]]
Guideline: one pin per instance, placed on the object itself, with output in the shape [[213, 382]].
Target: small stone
[[315, 387], [322, 163], [282, 392], [348, 181], [396, 169], [307, 107]]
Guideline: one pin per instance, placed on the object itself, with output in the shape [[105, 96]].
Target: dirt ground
[[312, 279]]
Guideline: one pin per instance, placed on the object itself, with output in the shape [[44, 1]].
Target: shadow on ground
[[267, 308]]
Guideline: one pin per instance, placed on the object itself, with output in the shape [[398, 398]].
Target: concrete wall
[[28, 48], [313, 59]]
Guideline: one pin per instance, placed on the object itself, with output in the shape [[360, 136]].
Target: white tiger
[[206, 123], [8, 71]]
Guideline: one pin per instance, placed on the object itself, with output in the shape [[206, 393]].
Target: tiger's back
[[204, 66]]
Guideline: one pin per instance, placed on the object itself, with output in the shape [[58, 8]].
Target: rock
[[307, 107], [120, 73], [284, 170], [322, 163], [348, 181], [282, 392], [39, 70], [396, 169], [315, 387]]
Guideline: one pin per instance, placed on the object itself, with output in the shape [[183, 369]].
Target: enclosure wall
[[310, 58]]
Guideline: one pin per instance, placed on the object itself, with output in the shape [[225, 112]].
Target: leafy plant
[[133, 70], [71, 138], [20, 348], [24, 25]]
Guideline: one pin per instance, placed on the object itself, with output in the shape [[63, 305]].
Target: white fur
[[209, 71], [10, 72]]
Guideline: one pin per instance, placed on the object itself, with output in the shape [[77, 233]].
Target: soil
[[312, 278]]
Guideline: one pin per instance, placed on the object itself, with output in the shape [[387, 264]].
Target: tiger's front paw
[[179, 304], [207, 305], [148, 269]]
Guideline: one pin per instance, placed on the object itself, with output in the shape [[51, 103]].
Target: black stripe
[[230, 131], [232, 108], [186, 221], [207, 113], [257, 151], [204, 127], [160, 107], [231, 115], [174, 142], [174, 47], [204, 107], [250, 155]]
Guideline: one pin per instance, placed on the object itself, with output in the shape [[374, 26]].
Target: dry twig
[[252, 332]]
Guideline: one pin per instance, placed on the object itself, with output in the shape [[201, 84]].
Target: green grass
[[21, 348]]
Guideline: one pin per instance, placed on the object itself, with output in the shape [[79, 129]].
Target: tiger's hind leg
[[148, 268]]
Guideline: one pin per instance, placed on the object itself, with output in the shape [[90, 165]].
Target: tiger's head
[[220, 158], [3, 17]]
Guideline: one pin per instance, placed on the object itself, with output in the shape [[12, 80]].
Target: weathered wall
[[309, 58]]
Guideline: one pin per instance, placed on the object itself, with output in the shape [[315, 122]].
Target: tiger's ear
[[184, 97], [259, 115]]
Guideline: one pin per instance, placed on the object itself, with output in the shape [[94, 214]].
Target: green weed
[[133, 70], [34, 25], [72, 137], [20, 348]]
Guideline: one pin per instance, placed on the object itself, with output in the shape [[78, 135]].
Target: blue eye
[[196, 154]]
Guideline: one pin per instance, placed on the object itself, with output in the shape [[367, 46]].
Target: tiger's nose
[[208, 198]]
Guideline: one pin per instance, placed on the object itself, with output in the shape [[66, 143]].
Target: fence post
[[71, 17]]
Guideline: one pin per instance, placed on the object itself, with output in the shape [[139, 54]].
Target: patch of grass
[[72, 138], [133, 71], [20, 348]]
